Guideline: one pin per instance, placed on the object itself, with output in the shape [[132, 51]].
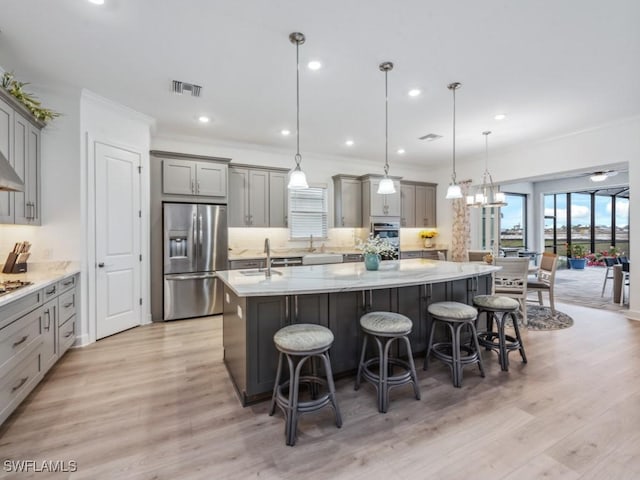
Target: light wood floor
[[156, 402]]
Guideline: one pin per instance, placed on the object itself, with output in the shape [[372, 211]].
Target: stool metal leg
[[518, 337], [361, 364], [474, 334], [295, 388], [382, 374], [429, 345], [455, 353], [290, 410], [416, 389], [272, 409], [502, 342], [332, 388]]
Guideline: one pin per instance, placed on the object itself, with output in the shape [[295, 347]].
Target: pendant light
[[297, 178], [487, 194], [454, 190], [386, 186]]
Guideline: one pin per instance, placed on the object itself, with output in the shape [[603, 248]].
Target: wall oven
[[389, 229]]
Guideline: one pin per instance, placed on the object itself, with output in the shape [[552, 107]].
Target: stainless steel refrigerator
[[195, 248]]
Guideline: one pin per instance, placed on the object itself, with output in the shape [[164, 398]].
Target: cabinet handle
[[22, 382], [67, 283], [193, 187], [286, 220], [343, 221], [50, 292], [198, 186], [48, 314], [21, 341], [67, 305], [68, 334]]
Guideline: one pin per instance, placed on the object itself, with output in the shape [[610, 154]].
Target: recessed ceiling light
[[415, 92], [285, 132], [348, 143], [314, 65], [97, 2], [400, 151], [500, 116], [203, 119]]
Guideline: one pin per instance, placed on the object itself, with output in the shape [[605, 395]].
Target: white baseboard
[[146, 320], [81, 341], [633, 315]]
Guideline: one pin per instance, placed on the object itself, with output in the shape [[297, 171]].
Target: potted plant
[[577, 256], [428, 235], [373, 249]]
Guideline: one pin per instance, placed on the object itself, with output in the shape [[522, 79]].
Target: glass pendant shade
[[386, 186], [487, 194], [470, 200], [297, 179], [499, 197], [453, 192]]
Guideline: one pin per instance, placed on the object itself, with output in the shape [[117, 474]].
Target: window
[[513, 221], [308, 213]]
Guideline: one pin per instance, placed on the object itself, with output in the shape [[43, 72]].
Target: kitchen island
[[255, 306]]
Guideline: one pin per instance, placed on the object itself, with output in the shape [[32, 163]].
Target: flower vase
[[428, 243], [371, 261]]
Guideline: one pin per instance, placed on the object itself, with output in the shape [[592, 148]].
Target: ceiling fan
[[602, 175]]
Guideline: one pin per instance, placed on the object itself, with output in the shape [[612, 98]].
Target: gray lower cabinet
[[411, 254], [249, 324], [247, 264], [35, 331]]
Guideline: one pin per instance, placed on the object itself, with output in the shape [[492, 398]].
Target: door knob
[[101, 265]]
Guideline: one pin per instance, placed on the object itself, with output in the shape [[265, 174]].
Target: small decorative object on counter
[[488, 258], [373, 250], [16, 261], [428, 235]]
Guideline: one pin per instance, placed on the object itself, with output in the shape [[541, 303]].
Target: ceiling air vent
[[430, 137], [179, 87]]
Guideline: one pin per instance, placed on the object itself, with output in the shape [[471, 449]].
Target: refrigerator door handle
[[199, 276], [194, 238], [200, 233]]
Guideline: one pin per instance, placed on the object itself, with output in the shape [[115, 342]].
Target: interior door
[[118, 245]]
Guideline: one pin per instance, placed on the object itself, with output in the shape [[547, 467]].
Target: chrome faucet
[[267, 250]]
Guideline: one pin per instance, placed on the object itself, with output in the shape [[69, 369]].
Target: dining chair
[[511, 280], [608, 275], [626, 282], [545, 279], [477, 255]]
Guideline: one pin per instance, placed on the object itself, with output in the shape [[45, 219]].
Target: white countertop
[[344, 277], [40, 278]]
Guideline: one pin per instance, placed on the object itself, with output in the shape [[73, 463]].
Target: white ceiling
[[554, 67]]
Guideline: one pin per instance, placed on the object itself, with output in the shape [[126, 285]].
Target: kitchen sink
[[257, 273], [321, 258]]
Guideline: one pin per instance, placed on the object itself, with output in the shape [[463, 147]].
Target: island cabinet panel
[[345, 310], [266, 316], [310, 309], [234, 339], [410, 301]]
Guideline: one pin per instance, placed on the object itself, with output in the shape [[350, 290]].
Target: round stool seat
[[386, 323], [496, 302], [452, 311], [303, 337]]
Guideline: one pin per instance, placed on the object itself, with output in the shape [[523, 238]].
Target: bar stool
[[299, 343], [499, 308], [384, 328], [455, 316]]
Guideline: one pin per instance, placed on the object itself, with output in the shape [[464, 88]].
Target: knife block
[[10, 265]]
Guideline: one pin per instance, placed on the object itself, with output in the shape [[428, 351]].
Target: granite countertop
[[40, 277], [250, 254], [344, 277]]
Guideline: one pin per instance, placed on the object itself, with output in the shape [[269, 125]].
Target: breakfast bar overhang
[[336, 296]]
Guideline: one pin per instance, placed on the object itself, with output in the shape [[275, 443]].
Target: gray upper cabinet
[[257, 197], [347, 196], [418, 205], [376, 205], [189, 177], [278, 200], [20, 144], [407, 205]]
